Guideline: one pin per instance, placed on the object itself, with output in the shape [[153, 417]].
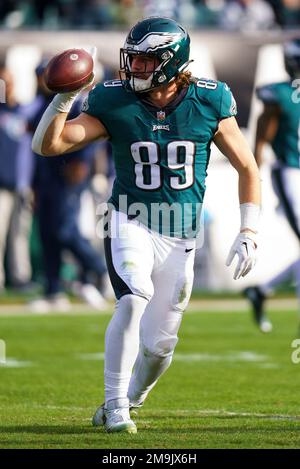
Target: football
[[69, 70]]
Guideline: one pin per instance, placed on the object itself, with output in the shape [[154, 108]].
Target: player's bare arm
[[68, 74], [231, 142], [64, 136], [267, 126]]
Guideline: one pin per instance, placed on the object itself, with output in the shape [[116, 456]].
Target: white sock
[[147, 369], [121, 345]]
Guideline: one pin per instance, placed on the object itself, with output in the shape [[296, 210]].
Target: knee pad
[[124, 325], [132, 303], [131, 283], [129, 310], [161, 348], [139, 285]]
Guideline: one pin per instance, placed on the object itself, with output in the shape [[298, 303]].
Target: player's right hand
[[244, 247]]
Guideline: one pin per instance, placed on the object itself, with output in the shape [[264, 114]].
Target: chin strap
[[139, 85]]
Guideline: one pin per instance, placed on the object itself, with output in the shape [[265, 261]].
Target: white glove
[[92, 50], [245, 247]]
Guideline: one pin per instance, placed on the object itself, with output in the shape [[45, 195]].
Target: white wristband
[[249, 217], [62, 102]]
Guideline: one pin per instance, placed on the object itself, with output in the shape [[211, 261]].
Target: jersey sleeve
[[268, 94], [219, 97], [91, 104], [228, 107]]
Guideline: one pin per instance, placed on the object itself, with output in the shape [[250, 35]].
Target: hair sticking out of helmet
[[292, 57], [161, 40]]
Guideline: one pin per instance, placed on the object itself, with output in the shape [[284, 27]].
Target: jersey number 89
[[149, 173]]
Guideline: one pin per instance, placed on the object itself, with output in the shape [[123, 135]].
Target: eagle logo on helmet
[[154, 41]]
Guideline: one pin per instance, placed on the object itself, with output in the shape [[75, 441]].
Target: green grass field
[[229, 386]]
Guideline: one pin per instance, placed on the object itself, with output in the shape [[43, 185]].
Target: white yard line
[[263, 361], [244, 356], [14, 363], [195, 306], [224, 413], [201, 413]]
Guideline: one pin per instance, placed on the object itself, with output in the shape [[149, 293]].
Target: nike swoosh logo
[[246, 246], [188, 250]]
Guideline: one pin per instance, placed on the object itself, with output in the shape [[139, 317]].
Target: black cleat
[[257, 299]]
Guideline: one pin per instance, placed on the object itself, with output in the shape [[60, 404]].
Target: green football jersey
[[286, 144], [161, 159]]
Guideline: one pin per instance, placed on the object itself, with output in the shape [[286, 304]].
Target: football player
[[279, 125], [161, 122]]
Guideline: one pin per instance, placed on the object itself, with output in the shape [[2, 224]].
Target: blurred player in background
[[279, 125], [16, 173], [161, 122], [58, 185]]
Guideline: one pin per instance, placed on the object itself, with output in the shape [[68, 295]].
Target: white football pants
[[152, 277]]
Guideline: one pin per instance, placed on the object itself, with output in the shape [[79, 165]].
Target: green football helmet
[[162, 38]]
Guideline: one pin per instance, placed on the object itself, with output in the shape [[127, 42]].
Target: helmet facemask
[[153, 78]]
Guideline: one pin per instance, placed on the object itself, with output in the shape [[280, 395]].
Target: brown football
[[69, 70]]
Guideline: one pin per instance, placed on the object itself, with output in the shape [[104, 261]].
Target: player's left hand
[[244, 247]]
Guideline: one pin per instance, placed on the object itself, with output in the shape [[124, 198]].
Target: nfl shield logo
[[160, 115]]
